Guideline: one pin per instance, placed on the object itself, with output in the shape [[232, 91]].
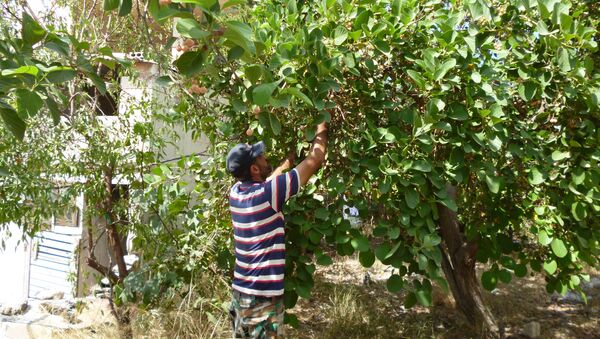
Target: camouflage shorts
[[256, 317]]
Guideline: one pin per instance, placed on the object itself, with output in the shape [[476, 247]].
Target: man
[[256, 202]]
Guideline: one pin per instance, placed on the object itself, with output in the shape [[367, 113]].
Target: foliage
[[178, 238], [498, 98]]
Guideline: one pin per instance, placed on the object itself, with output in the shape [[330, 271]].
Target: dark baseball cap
[[242, 155]]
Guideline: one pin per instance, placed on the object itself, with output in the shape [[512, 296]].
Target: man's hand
[[285, 165]]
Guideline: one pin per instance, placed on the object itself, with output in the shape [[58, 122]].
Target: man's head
[[247, 162]]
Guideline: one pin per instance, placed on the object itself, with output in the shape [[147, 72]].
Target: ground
[[343, 306], [346, 305]]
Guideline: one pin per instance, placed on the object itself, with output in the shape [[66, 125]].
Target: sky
[[40, 7]]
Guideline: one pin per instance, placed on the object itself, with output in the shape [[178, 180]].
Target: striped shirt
[[259, 233]]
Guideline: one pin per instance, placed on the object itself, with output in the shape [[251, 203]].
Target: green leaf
[[324, 260], [504, 276], [206, 4], [495, 143], [360, 243], [290, 297], [315, 236], [423, 296], [394, 283], [32, 70], [54, 110], [28, 103], [303, 291], [421, 165], [493, 183], [109, 5], [232, 3], [298, 94], [322, 213], [550, 266], [410, 300], [190, 63], [382, 250], [450, 203], [578, 211], [98, 82], [190, 28], [262, 93], [489, 280], [520, 270], [412, 198], [125, 7], [558, 247], [535, 177], [471, 41], [564, 61], [558, 155], [366, 259], [476, 77], [31, 31], [458, 112], [527, 91], [444, 68], [163, 81], [274, 123], [417, 78], [58, 74], [543, 238], [13, 122], [578, 176], [542, 28], [240, 34], [340, 34]]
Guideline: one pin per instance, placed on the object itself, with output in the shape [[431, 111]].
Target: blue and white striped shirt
[[259, 237]]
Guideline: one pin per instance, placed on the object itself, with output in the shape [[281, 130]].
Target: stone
[[50, 295], [13, 308], [593, 283], [532, 329]]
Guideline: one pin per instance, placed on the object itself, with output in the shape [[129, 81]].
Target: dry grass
[[341, 306], [201, 314], [180, 324]]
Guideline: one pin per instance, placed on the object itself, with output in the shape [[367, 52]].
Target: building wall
[[14, 261]]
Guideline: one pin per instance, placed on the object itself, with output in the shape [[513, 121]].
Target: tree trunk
[[114, 240], [458, 263]]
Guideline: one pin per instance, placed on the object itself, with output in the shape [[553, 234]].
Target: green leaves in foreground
[[559, 248], [489, 280]]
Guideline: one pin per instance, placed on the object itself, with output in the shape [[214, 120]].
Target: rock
[[569, 298], [57, 307], [50, 295], [532, 329], [13, 308], [367, 279], [594, 282]]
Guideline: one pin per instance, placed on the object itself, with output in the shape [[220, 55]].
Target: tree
[[464, 132], [55, 142]]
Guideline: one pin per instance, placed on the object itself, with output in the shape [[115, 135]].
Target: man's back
[[258, 228]]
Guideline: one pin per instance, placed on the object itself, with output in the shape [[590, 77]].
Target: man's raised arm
[[316, 156]]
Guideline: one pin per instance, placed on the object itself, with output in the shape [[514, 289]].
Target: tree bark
[[458, 263], [114, 240]]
